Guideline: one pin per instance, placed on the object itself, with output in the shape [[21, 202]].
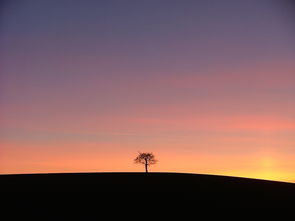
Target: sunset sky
[[208, 86]]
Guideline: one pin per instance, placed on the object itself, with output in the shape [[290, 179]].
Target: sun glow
[[101, 81]]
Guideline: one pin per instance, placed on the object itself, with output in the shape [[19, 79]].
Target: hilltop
[[210, 190]]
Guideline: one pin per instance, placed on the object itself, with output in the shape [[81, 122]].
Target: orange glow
[[208, 88], [34, 160]]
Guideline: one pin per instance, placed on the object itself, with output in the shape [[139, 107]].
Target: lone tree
[[146, 159]]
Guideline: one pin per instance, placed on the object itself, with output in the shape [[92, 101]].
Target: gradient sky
[[208, 86]]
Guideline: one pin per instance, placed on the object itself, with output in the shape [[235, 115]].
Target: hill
[[208, 190]]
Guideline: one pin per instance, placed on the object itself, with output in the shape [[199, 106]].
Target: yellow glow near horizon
[[32, 159]]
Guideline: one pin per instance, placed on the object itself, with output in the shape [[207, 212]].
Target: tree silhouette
[[146, 159]]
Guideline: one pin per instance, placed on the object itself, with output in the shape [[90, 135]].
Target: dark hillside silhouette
[[205, 190]]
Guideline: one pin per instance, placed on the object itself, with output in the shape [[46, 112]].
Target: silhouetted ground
[[79, 189]]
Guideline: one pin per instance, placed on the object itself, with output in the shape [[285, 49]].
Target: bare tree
[[146, 159]]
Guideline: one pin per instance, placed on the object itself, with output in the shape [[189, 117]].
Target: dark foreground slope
[[202, 189], [140, 182]]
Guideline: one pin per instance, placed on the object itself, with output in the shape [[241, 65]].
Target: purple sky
[[211, 79]]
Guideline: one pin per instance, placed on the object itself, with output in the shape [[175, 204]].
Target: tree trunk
[[146, 168]]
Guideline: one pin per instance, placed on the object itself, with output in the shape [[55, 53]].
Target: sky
[[208, 86]]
